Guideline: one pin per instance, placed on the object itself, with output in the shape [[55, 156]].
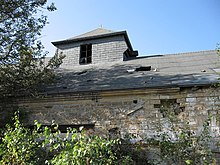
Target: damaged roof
[[158, 71]]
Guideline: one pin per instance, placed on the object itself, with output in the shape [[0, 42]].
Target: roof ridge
[[95, 34], [97, 31], [181, 53], [201, 51]]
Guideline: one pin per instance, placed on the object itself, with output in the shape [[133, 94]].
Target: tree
[[22, 67], [218, 48]]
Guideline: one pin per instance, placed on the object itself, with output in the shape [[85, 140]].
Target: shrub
[[79, 149], [45, 145], [18, 144]]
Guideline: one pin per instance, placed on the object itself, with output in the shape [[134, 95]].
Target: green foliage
[[22, 67], [82, 149], [18, 145], [218, 48], [46, 145]]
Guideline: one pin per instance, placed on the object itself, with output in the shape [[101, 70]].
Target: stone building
[[95, 47], [103, 83]]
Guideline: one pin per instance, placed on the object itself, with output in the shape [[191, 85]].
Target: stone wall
[[139, 112], [103, 50]]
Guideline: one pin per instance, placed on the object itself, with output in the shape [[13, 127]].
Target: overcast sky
[[153, 26]]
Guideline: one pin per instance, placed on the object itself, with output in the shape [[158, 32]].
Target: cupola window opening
[[85, 54]]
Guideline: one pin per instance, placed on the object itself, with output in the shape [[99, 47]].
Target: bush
[[46, 145], [80, 149], [21, 146]]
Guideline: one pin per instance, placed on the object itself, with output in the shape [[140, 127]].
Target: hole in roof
[[135, 101], [83, 72], [143, 68]]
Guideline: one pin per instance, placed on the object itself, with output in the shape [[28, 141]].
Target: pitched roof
[[173, 70], [95, 34]]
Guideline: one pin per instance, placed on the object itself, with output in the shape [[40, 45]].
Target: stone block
[[191, 99], [164, 97]]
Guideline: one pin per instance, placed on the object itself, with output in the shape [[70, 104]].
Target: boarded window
[[85, 54]]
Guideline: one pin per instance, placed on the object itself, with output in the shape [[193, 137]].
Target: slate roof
[[95, 34], [172, 70]]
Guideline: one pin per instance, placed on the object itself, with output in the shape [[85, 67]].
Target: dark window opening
[[85, 54], [114, 133], [143, 68], [135, 101], [169, 107]]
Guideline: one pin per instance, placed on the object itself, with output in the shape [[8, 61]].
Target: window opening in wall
[[85, 54], [114, 132], [169, 107]]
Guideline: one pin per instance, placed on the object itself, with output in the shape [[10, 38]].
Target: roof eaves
[[124, 33], [128, 41]]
